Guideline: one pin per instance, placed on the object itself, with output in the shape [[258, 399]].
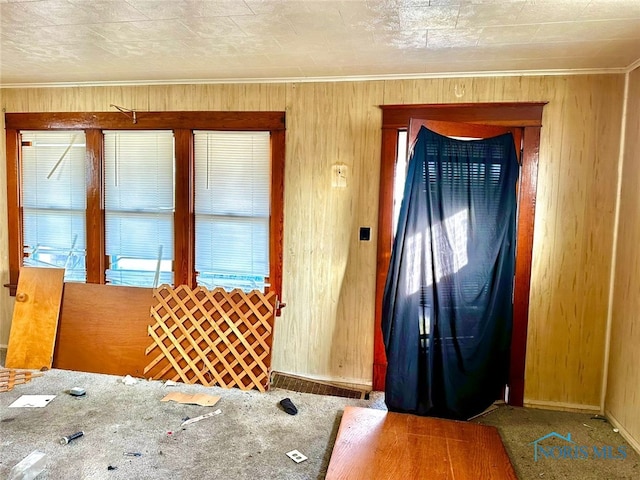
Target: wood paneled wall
[[623, 386], [326, 330]]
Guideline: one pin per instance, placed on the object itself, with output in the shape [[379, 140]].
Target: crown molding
[[355, 78], [633, 66]]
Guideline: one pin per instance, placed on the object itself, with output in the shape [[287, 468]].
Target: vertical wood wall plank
[[329, 274], [544, 266], [86, 99], [570, 266], [6, 301], [623, 386], [172, 97]]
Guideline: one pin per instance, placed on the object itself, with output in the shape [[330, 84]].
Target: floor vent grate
[[305, 385]]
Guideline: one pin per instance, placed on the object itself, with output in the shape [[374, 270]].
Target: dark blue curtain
[[447, 306]]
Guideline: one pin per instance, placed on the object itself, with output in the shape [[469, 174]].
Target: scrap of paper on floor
[[195, 399], [33, 401]]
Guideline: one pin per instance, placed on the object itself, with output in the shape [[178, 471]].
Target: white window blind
[[139, 207], [232, 208], [54, 201]]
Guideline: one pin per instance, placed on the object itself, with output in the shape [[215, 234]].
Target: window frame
[[183, 124]]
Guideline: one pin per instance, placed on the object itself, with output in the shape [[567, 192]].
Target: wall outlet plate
[[296, 456]]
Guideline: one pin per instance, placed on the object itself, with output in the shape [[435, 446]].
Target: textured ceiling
[[60, 41]]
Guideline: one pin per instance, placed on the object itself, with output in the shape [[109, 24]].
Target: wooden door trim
[[525, 115], [527, 187]]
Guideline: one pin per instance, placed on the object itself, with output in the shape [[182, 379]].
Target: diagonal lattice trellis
[[10, 377], [211, 337]]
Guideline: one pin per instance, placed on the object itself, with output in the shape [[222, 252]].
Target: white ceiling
[[106, 41]]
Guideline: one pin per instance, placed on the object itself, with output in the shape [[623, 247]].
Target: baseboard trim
[[635, 444], [562, 406]]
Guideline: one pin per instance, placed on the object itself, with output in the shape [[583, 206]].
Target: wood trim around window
[[182, 124], [14, 206], [525, 115], [95, 224], [276, 219], [184, 220], [255, 121]]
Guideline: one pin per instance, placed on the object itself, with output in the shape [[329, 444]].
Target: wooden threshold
[[385, 446]]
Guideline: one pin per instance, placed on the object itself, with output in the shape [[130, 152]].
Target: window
[[54, 201], [400, 176], [174, 197], [232, 203], [139, 207]]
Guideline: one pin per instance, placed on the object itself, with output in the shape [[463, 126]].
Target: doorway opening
[[523, 117]]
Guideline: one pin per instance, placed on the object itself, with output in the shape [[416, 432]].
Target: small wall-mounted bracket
[[126, 111]]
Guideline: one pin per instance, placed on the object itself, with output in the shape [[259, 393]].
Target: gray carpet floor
[[249, 439]]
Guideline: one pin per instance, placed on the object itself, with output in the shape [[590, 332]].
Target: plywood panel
[[623, 387], [35, 318], [103, 329], [385, 445]]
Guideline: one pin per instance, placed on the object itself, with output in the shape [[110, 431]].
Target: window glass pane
[[54, 201], [139, 207], [400, 177], [232, 206]]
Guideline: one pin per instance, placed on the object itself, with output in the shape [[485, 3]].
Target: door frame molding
[[527, 116]]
